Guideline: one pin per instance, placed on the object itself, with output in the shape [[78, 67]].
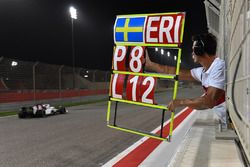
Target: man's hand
[[174, 104]]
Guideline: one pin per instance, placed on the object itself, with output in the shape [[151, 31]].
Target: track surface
[[77, 139]]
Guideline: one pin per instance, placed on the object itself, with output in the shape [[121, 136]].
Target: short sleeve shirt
[[214, 76]]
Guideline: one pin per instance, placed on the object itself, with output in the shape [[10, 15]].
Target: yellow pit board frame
[[132, 34]]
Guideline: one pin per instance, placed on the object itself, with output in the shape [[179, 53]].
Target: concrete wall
[[238, 68], [234, 47]]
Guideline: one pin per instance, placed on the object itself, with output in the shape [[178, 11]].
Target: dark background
[[40, 30]]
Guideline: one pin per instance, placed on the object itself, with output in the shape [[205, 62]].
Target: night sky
[[40, 30]]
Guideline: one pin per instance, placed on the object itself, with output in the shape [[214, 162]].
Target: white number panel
[[140, 89], [147, 89], [119, 58], [117, 85], [135, 59], [133, 88]]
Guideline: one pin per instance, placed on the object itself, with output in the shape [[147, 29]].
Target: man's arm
[[207, 101], [183, 74]]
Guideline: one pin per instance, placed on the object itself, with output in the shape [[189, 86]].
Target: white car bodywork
[[48, 109], [41, 110]]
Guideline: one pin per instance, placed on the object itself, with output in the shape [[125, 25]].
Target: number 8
[[136, 55]]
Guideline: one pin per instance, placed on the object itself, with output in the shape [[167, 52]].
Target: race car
[[40, 110]]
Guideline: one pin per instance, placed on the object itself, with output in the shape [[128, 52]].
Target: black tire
[[22, 113], [43, 114], [62, 110], [40, 113]]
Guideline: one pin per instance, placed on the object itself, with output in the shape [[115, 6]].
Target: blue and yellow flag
[[129, 29]]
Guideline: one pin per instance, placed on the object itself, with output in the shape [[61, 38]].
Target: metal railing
[[27, 83], [36, 80]]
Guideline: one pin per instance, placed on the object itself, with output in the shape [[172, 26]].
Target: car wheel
[[62, 110], [21, 114], [40, 113], [43, 114]]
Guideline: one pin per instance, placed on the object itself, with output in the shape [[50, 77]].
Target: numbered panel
[[119, 58], [147, 90], [133, 88], [140, 89], [132, 33], [117, 85], [135, 62], [135, 59]]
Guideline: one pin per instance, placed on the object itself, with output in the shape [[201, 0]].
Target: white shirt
[[214, 77]]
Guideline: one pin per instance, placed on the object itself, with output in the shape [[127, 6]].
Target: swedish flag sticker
[[129, 29]]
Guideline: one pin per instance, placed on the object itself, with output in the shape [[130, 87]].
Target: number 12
[[141, 89]]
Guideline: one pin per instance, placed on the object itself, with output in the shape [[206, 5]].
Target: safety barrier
[[8, 97]]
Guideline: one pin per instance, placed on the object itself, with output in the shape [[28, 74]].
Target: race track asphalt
[[79, 138]]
